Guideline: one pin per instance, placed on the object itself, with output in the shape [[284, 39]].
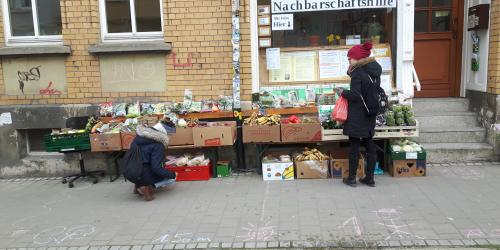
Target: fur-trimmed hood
[[152, 134], [370, 65]]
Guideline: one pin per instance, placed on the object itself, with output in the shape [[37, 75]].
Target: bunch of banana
[[256, 119], [311, 155]]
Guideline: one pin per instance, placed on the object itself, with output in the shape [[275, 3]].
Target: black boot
[[368, 181], [349, 181]]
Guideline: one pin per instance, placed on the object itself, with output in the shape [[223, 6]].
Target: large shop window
[[336, 28], [131, 19], [32, 21]]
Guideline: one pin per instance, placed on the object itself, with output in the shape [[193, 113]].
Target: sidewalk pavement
[[455, 205]]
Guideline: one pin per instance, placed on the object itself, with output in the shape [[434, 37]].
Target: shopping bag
[[340, 110]]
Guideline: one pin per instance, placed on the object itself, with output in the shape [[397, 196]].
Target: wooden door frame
[[459, 30]]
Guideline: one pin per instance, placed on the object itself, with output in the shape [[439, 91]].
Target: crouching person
[[143, 164]]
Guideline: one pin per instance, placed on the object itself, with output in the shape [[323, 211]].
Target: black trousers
[[371, 156]]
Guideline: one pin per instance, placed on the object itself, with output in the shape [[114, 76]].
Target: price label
[[411, 155]]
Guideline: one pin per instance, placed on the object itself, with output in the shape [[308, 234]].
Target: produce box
[[127, 138], [333, 135], [277, 171], [182, 136], [195, 173], [339, 165], [261, 133], [312, 169], [105, 142], [300, 132], [215, 134], [407, 168], [422, 155], [67, 142], [223, 169]]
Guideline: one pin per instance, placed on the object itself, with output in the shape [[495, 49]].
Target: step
[[458, 152], [431, 105], [451, 135], [447, 120]]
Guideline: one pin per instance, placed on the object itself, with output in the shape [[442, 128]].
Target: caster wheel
[[95, 181], [102, 174], [64, 181], [71, 185]]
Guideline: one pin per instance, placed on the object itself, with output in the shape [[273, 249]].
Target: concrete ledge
[[35, 50], [109, 48]]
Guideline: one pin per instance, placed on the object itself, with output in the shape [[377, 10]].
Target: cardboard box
[[223, 169], [261, 133], [216, 134], [340, 168], [407, 168], [277, 171], [105, 142], [300, 132], [312, 169], [182, 136], [127, 139]]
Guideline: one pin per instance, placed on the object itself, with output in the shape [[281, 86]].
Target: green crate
[[223, 169], [407, 156], [67, 142]]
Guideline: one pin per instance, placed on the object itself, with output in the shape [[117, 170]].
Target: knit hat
[[360, 51]]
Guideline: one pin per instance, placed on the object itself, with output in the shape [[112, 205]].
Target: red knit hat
[[360, 51]]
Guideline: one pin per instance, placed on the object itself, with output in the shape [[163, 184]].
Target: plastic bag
[[106, 109], [133, 110], [120, 109], [340, 110]]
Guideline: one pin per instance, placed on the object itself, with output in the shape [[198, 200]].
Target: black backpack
[[131, 165], [376, 102]]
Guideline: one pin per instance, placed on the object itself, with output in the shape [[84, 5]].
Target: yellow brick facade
[[197, 29], [494, 50]]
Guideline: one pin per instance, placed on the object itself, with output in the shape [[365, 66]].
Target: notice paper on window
[[330, 64], [305, 66], [385, 82], [284, 73], [345, 62], [273, 58], [379, 52], [385, 62]]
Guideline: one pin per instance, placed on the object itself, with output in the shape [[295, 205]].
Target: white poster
[[385, 62], [282, 22], [385, 83], [273, 58], [287, 6], [330, 64], [5, 118]]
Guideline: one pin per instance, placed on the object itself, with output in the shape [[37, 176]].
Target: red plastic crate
[[195, 173]]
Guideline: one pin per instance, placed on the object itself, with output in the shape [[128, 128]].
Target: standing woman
[[360, 125]]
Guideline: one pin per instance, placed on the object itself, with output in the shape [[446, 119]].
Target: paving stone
[[191, 246], [147, 247], [394, 243], [494, 241], [444, 243], [481, 242], [202, 245], [419, 243], [169, 246], [238, 245], [250, 244], [285, 244], [382, 244], [180, 246], [456, 243], [406, 243], [273, 244], [469, 242], [432, 242], [226, 245], [261, 245], [297, 243], [157, 247], [136, 248]]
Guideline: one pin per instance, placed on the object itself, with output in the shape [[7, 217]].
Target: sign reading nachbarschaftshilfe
[[286, 6]]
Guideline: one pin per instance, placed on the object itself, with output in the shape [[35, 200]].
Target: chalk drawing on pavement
[[181, 238], [391, 219], [258, 233], [60, 234], [355, 225]]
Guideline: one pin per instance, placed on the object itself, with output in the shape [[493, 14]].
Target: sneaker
[[146, 192], [349, 182], [367, 182]]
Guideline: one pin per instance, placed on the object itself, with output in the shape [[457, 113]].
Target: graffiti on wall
[[25, 76], [133, 73]]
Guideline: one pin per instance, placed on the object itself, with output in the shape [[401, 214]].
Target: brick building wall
[[494, 50], [200, 30]]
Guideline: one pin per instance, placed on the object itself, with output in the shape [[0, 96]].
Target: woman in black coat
[[360, 126]]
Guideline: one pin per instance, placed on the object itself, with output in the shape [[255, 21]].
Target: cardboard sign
[[282, 22]]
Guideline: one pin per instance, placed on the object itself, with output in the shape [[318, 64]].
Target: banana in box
[[276, 167]]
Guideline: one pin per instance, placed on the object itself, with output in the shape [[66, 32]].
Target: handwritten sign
[[282, 22]]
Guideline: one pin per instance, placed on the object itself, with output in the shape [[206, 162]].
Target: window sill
[[120, 47], [35, 50]]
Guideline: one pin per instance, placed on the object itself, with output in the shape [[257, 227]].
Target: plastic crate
[[195, 173], [67, 142]]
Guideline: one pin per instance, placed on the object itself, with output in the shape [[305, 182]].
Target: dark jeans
[[371, 156]]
